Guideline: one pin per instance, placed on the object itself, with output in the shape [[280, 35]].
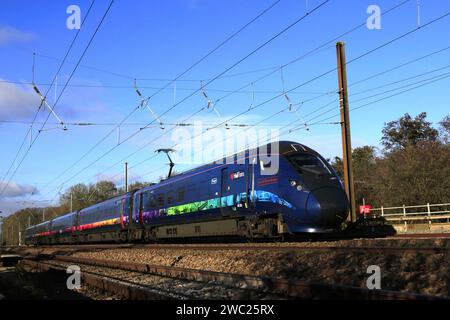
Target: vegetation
[[76, 197], [412, 168]]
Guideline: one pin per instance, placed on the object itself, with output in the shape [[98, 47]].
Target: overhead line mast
[[345, 128]]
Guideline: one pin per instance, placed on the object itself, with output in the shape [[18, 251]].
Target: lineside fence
[[427, 217]]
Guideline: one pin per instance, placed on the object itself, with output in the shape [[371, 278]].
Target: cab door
[[226, 195]]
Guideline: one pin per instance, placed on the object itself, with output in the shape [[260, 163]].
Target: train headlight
[[297, 185]]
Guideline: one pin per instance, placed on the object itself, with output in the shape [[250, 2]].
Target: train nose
[[327, 206]]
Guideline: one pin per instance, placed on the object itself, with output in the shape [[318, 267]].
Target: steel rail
[[242, 247], [124, 289], [285, 287]]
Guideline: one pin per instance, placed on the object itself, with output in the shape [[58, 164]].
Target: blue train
[[241, 196]]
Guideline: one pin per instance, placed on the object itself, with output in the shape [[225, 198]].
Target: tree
[[134, 186], [338, 166], [364, 159], [414, 175], [444, 129], [103, 190], [407, 131], [81, 195]]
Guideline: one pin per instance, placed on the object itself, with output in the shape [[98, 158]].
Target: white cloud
[[20, 102], [17, 101], [10, 34], [14, 190], [10, 205]]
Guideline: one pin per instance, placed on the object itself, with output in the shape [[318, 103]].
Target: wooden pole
[[345, 129], [126, 176]]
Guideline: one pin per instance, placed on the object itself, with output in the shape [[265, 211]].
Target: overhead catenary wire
[[217, 48], [321, 122], [355, 60], [154, 79], [431, 81], [157, 88], [353, 30], [288, 27], [423, 81], [139, 124], [399, 66], [61, 93], [363, 55], [315, 50], [170, 80], [167, 85], [69, 49], [348, 62], [277, 35]]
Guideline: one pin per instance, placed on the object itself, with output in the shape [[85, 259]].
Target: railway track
[[125, 279], [260, 247], [421, 236]]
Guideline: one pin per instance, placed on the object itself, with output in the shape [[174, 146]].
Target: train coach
[[238, 196]]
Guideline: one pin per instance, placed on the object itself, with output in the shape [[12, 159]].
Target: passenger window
[[152, 200], [170, 197], [160, 200], [180, 195], [145, 200]]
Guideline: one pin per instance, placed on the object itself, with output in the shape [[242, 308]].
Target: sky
[[148, 43]]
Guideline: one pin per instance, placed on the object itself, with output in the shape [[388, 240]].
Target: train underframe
[[249, 227]]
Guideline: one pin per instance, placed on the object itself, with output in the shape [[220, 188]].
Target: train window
[[169, 197], [160, 200], [145, 200], [309, 164], [152, 201], [135, 208], [225, 186], [180, 194], [193, 191]]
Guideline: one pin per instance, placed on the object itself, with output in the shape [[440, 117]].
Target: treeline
[[75, 198], [412, 168]]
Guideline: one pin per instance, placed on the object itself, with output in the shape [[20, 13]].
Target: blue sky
[[154, 40]]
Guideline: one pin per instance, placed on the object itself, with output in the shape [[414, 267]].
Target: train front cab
[[311, 185]]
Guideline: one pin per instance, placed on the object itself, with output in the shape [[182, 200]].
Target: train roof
[[38, 225], [284, 147], [64, 216]]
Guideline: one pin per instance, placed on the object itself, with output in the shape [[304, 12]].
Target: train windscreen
[[309, 164]]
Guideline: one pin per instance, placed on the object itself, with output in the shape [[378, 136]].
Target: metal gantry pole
[[345, 129]]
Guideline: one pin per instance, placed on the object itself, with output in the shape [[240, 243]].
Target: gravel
[[409, 272], [172, 288]]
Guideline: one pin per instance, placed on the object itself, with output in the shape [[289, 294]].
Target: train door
[[226, 194], [126, 210], [251, 184], [136, 215]]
